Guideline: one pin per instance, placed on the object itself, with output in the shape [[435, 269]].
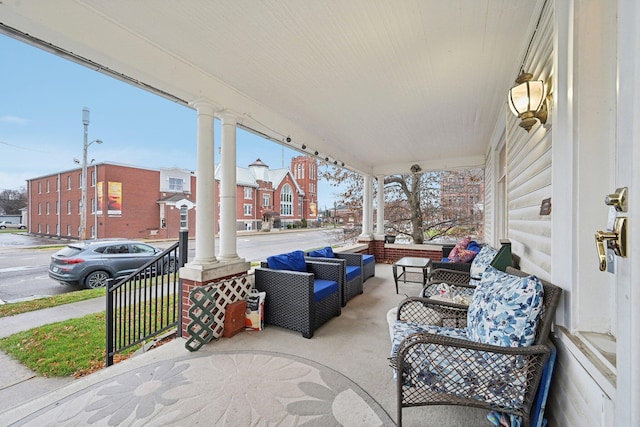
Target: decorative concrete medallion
[[223, 389]]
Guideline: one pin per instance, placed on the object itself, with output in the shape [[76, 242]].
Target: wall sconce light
[[527, 100]]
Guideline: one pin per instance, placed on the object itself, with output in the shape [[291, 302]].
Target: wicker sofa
[[445, 364], [300, 300]]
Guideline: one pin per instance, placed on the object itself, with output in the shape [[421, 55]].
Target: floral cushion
[[481, 262], [402, 330], [504, 384], [505, 309]]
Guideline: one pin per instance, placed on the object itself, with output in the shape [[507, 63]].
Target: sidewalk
[[16, 381]]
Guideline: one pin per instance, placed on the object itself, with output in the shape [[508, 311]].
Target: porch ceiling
[[378, 85]]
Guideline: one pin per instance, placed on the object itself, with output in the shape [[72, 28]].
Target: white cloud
[[13, 120]]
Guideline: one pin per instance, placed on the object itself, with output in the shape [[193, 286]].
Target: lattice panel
[[208, 308]]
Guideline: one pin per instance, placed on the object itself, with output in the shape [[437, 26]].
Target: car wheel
[[22, 227], [2, 227], [169, 266], [97, 279]]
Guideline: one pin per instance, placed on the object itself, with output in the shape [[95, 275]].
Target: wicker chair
[[514, 371], [290, 301], [460, 272], [352, 272]]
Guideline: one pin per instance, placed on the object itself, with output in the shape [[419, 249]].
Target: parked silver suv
[[9, 224], [92, 263]]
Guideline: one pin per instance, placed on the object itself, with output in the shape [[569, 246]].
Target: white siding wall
[[529, 168], [577, 396]]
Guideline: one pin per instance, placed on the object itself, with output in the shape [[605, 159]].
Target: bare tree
[[11, 201], [413, 202]]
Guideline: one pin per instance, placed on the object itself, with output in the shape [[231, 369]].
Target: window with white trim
[[176, 184], [286, 201], [266, 200], [248, 193], [247, 209]]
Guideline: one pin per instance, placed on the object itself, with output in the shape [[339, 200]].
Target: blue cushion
[[505, 309], [324, 253], [366, 259], [323, 288], [474, 246], [293, 261], [353, 272]]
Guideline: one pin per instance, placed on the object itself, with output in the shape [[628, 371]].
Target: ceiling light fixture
[[304, 147]]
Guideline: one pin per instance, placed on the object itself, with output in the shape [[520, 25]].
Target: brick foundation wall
[[187, 287], [389, 253]]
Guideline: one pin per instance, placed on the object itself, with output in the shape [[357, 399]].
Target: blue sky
[[41, 129]]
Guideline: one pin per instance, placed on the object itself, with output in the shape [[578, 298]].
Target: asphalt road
[[24, 260]]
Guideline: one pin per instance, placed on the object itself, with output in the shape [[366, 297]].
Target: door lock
[[618, 199], [615, 240]]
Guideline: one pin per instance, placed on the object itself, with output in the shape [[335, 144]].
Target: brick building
[[462, 198], [277, 198], [137, 203]]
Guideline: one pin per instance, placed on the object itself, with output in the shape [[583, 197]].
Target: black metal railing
[[144, 304]]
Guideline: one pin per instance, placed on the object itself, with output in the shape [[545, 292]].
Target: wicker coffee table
[[421, 264]]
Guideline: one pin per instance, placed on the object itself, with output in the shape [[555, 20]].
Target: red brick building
[[138, 203], [277, 198]]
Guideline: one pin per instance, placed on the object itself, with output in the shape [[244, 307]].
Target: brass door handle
[[616, 240]]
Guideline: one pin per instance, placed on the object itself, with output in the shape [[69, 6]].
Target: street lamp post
[[83, 200]]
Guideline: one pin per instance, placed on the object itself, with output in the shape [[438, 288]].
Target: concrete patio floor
[[355, 345]]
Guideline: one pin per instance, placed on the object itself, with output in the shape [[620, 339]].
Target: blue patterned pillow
[[505, 309], [482, 261]]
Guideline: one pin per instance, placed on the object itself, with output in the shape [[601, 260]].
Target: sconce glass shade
[[527, 100]]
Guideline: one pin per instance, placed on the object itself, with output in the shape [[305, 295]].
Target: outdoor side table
[[406, 263]]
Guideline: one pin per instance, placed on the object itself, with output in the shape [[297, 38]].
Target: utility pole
[[83, 200]]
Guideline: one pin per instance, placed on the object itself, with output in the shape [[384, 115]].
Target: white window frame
[[286, 200]]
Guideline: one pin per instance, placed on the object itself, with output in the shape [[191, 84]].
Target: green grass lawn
[[73, 347], [61, 349]]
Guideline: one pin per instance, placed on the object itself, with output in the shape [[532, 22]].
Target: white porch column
[[228, 214], [380, 212], [367, 207], [205, 188]]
